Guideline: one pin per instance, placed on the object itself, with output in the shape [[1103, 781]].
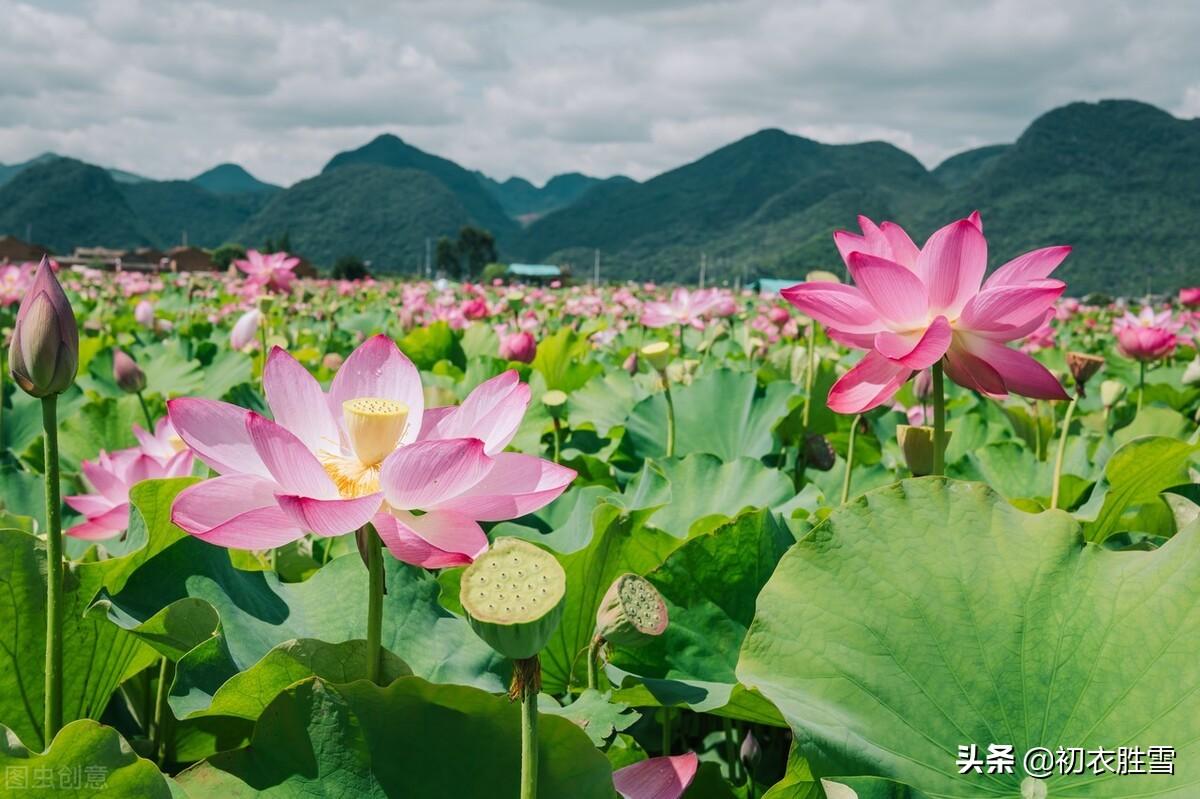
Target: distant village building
[[190, 259], [13, 250], [535, 273]]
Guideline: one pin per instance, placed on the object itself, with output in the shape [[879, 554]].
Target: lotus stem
[[146, 413], [1037, 430], [731, 752], [557, 439], [529, 745], [593, 657], [939, 420], [666, 731], [162, 716], [850, 458], [681, 345], [670, 417], [54, 572], [375, 604], [1141, 384], [1062, 451]]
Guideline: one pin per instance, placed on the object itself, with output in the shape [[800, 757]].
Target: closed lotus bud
[[245, 329], [819, 453], [631, 613], [521, 347], [1083, 367], [658, 354], [44, 354], [128, 375], [513, 597], [143, 312], [923, 384], [916, 442], [631, 364], [751, 752], [1110, 392]]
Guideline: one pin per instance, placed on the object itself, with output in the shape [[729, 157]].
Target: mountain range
[[1117, 179]]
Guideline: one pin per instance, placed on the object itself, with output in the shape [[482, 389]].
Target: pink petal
[[1008, 307], [378, 369], [436, 540], [103, 476], [859, 341], [835, 305], [873, 381], [917, 350], [178, 465], [329, 517], [106, 525], [516, 485], [1036, 265], [953, 262], [216, 431], [291, 463], [897, 295], [1021, 373], [904, 252], [422, 475], [297, 401], [432, 418], [492, 412], [970, 371], [976, 220], [657, 778], [234, 511]]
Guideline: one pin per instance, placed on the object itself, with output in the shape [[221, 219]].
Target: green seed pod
[[917, 445], [513, 597], [631, 613]]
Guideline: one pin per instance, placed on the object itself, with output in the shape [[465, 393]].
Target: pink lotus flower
[[112, 475], [143, 313], [912, 307], [272, 271], [14, 282], [657, 778], [366, 451], [521, 347], [1190, 297], [1148, 336], [475, 308], [684, 308]]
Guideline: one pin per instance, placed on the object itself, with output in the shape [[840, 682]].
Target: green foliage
[[227, 253], [349, 267]]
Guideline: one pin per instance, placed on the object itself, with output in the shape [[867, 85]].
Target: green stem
[[557, 439], [670, 417], [809, 381], [1037, 430], [939, 420], [147, 702], [666, 730], [1141, 384], [1062, 451], [375, 604], [146, 413], [850, 458], [681, 350], [162, 715], [730, 749], [593, 656], [54, 572], [529, 747], [262, 346]]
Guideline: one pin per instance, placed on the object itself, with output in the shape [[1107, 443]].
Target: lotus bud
[[916, 442], [245, 329], [751, 752], [819, 453], [1111, 392], [923, 384], [520, 347], [555, 402], [658, 355], [631, 364], [128, 375], [1191, 375], [513, 597], [631, 613], [44, 354], [1083, 367], [143, 313]]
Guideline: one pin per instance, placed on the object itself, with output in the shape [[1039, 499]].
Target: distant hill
[[378, 213], [958, 170], [391, 151], [10, 171], [168, 209], [232, 179], [61, 202], [525, 202]]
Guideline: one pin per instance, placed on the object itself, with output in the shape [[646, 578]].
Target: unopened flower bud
[[916, 442], [1110, 392], [128, 375], [631, 613], [923, 384], [1083, 367], [631, 364], [44, 354], [245, 329], [751, 752]]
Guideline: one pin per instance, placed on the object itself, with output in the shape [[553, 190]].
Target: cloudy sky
[[167, 89]]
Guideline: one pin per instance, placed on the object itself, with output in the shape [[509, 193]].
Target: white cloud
[[168, 88]]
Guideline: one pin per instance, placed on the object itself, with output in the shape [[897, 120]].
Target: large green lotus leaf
[[85, 759], [411, 738], [97, 655], [425, 346], [257, 612], [723, 413], [1152, 421], [933, 614], [1011, 469], [596, 713], [605, 401], [564, 361], [1135, 475], [710, 585], [798, 781]]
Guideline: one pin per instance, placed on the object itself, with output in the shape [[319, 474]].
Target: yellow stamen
[[374, 427], [352, 477]]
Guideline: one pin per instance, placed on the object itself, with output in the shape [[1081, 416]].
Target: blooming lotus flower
[[365, 451], [106, 509], [1148, 336], [1190, 297], [272, 271], [520, 347], [684, 308], [657, 777], [14, 282], [912, 307]]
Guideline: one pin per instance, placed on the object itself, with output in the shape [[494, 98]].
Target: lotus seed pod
[[513, 597], [658, 354], [631, 613], [1110, 392], [1083, 367], [821, 276], [128, 376], [555, 402], [917, 445], [819, 453], [44, 354]]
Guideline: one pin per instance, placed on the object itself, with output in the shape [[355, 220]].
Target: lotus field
[[920, 526]]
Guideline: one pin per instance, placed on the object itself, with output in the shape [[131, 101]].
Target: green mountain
[[377, 213], [232, 179], [525, 202], [61, 203], [169, 209], [390, 151], [10, 171], [958, 170]]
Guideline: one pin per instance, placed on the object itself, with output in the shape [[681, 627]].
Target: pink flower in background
[[366, 451], [1066, 309], [274, 271], [778, 315], [1190, 297], [684, 308], [143, 313], [520, 347], [657, 777], [1148, 336], [14, 282], [475, 308], [1040, 339], [245, 329], [911, 307], [106, 509]]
